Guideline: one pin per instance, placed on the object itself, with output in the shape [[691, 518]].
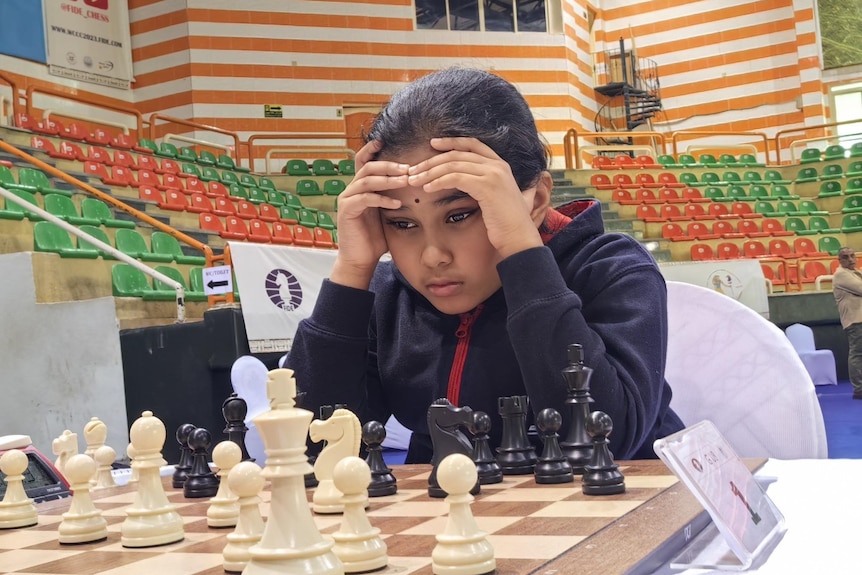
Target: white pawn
[[130, 451], [462, 549], [95, 434], [224, 508], [83, 523], [16, 509], [357, 543], [246, 481], [104, 457], [152, 519], [64, 447]]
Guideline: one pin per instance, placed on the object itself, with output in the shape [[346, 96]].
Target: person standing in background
[[847, 289]]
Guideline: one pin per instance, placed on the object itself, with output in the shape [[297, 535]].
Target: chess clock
[[42, 481]]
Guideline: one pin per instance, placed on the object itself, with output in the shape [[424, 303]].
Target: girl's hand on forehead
[[468, 165], [361, 242]]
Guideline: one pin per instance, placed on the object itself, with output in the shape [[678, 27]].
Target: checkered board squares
[[528, 525]]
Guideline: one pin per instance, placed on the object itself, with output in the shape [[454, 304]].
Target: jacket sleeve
[[848, 282], [333, 356], [620, 319]]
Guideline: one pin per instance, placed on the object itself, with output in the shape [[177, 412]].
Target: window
[[482, 15]]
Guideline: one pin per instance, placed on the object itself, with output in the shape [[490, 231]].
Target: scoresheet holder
[[747, 520]]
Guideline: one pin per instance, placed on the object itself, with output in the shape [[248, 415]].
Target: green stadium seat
[[788, 208], [851, 223], [247, 180], [99, 234], [148, 144], [752, 177], [290, 214], [758, 191], [765, 208], [94, 208], [186, 154], [854, 186], [832, 172], [210, 174], [237, 191], [856, 150], [33, 180], [167, 150], [750, 161], [687, 161], [162, 291], [854, 169], [257, 196], [834, 152], [781, 191], [809, 208], [49, 238], [206, 158], [667, 161], [15, 211], [228, 178], [729, 161], [708, 160], [830, 189], [274, 197], [347, 167], [164, 243], [809, 156], [852, 204], [129, 282], [225, 162], [819, 225], [829, 245], [774, 177], [714, 194], [191, 170], [806, 175], [133, 244], [324, 220], [730, 178], [795, 225], [297, 168], [64, 208], [689, 179], [308, 188], [323, 168], [266, 183], [737, 193], [333, 187], [307, 218]]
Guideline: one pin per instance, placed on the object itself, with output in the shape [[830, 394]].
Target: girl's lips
[[444, 289]]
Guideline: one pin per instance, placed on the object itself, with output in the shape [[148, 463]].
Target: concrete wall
[[60, 363]]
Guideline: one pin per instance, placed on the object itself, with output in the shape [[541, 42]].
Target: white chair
[[248, 378], [728, 364], [820, 363]]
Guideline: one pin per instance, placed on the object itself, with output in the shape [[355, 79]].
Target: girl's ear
[[541, 199]]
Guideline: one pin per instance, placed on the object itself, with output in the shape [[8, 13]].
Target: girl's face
[[440, 245]]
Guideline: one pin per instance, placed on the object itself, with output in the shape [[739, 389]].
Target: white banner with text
[[89, 41]]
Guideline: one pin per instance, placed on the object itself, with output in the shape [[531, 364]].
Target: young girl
[[487, 285]]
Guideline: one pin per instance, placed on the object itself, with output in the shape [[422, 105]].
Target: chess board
[[534, 528]]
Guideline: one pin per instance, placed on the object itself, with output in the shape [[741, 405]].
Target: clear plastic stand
[[746, 523]]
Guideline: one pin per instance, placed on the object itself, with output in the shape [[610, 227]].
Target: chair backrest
[[164, 243], [130, 242], [732, 394], [172, 273], [128, 281], [206, 158], [801, 337], [97, 233], [701, 252]]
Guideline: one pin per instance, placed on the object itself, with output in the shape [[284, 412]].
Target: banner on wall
[[741, 280], [89, 41]]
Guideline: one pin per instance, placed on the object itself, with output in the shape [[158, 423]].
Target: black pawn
[[516, 455], [577, 445], [234, 410], [553, 466], [201, 481], [382, 480], [181, 471], [601, 475], [486, 465]]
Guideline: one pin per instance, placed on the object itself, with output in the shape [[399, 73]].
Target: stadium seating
[[49, 238], [164, 243], [133, 244], [63, 208]]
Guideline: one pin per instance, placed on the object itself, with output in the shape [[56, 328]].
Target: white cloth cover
[[820, 363], [728, 364], [248, 378]]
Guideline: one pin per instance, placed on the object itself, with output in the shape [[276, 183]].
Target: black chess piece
[[553, 466], [382, 480], [601, 475], [234, 409], [181, 471], [444, 426], [577, 445], [201, 481], [486, 465], [515, 455]]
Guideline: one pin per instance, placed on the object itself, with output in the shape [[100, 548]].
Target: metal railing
[[198, 127]]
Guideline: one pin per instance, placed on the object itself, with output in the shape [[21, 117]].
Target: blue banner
[[22, 30]]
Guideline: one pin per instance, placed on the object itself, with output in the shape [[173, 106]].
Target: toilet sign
[[217, 280]]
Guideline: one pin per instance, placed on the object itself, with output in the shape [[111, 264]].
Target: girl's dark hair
[[459, 102]]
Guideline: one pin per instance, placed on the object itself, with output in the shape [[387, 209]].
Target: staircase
[[631, 88]]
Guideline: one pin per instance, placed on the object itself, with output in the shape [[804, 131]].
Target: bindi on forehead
[[415, 200]]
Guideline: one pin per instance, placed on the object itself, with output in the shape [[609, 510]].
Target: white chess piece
[[246, 481], [223, 510], [83, 523], [343, 435], [462, 549], [16, 509], [291, 542], [357, 543], [104, 457], [95, 434], [151, 520], [64, 447], [130, 451]]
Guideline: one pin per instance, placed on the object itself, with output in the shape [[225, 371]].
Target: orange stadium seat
[[701, 252], [624, 197], [76, 131], [780, 248], [726, 230], [199, 203], [323, 238], [258, 231], [669, 179], [303, 236], [811, 270], [223, 206], [774, 227], [670, 195], [696, 212], [210, 223], [754, 249], [150, 194], [806, 247], [700, 231], [601, 182], [282, 233], [603, 163], [99, 136], [173, 182], [234, 228], [246, 210], [728, 251], [619, 180], [673, 231], [268, 212], [175, 201], [751, 229], [646, 196]]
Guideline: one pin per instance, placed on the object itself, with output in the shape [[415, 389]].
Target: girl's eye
[[461, 216], [400, 224]]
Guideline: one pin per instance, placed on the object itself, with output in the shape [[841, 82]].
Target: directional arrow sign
[[217, 280]]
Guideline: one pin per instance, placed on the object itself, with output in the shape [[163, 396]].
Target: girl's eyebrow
[[453, 197]]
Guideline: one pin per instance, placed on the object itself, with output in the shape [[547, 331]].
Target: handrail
[[807, 141], [677, 135], [570, 142], [3, 117], [189, 140], [782, 133], [289, 136], [200, 246], [15, 94], [620, 147], [139, 118], [198, 126], [46, 114], [819, 279], [74, 230]]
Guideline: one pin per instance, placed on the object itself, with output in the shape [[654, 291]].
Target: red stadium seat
[[696, 212], [601, 182], [149, 163], [268, 212], [214, 189], [806, 247], [624, 197], [603, 163], [258, 231], [211, 223], [700, 231], [199, 203], [673, 231], [670, 195], [175, 201], [150, 194], [148, 178], [780, 248], [223, 207], [811, 270], [303, 236], [701, 252], [99, 136], [728, 251], [774, 227], [76, 131], [669, 180], [690, 194], [124, 158], [750, 228], [754, 249], [323, 238], [646, 196], [282, 233], [624, 181], [173, 182], [234, 228], [726, 230], [246, 210], [645, 180]]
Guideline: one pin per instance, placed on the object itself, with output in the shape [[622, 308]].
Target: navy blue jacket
[[389, 351]]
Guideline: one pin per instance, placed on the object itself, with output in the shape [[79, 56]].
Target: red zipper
[[463, 335]]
